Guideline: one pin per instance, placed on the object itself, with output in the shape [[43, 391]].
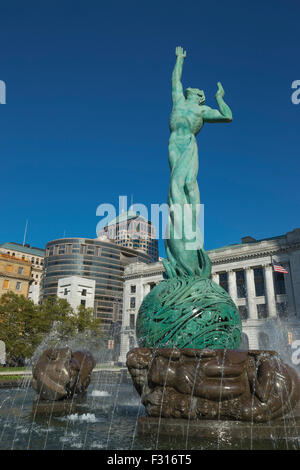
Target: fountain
[[192, 388], [188, 370]]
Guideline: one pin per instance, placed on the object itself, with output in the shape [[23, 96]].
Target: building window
[[9, 268], [6, 284], [259, 282], [18, 285], [133, 289], [282, 310], [83, 292], [83, 301], [20, 270], [223, 281], [244, 342], [66, 291], [240, 284], [262, 311], [132, 321], [279, 283], [132, 302], [243, 312]]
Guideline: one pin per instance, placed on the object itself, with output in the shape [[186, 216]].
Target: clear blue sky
[[88, 103]]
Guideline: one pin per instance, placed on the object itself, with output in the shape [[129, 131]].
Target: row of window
[[259, 281], [9, 269], [84, 262], [262, 311], [7, 284], [33, 260], [89, 274], [83, 291], [69, 248]]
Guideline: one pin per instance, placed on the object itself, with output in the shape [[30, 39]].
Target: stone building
[[15, 275], [36, 258], [246, 271]]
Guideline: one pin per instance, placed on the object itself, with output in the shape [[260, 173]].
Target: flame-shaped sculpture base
[[188, 312]]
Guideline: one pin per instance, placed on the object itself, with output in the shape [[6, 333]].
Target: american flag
[[278, 268]]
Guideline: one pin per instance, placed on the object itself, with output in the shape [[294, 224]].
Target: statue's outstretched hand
[[180, 52], [220, 91]]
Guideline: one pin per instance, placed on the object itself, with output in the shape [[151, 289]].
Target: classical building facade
[[132, 230], [15, 275], [246, 271], [36, 258]]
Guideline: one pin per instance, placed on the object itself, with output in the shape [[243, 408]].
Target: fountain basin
[[280, 434], [196, 384]]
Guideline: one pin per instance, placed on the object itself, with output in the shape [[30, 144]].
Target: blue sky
[[88, 104]]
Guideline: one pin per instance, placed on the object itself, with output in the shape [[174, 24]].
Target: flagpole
[[25, 232]]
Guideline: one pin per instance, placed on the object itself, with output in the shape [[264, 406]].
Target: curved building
[[95, 259]]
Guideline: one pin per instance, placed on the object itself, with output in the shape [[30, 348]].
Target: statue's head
[[194, 94]]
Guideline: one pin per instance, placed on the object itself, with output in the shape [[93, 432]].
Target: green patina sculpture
[[187, 309]]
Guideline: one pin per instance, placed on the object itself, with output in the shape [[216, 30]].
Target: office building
[[101, 261], [132, 230], [34, 255], [15, 275]]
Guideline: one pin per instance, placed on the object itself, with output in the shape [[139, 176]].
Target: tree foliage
[[23, 325]]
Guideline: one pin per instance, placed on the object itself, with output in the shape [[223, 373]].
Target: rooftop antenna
[[25, 232], [64, 234]]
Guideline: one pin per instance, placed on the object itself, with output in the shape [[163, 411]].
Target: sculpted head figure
[[194, 94], [61, 373]]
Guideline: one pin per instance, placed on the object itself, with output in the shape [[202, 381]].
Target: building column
[[146, 289], [124, 347], [295, 278], [289, 291], [232, 284], [270, 291], [215, 277], [251, 295]]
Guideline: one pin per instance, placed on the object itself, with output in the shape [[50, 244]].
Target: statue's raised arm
[[224, 113], [177, 90]]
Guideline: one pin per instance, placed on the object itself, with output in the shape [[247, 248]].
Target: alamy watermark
[[295, 97], [181, 216], [2, 92], [296, 352]]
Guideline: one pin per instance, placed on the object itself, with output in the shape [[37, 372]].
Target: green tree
[[59, 312], [85, 320], [23, 325]]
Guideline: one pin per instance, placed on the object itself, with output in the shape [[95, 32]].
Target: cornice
[[258, 253], [142, 275]]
